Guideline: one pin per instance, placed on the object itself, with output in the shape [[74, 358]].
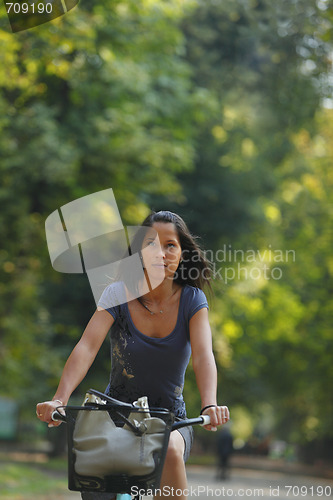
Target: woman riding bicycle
[[154, 332]]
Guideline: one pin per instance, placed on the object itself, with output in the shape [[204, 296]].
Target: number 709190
[[29, 8], [303, 491]]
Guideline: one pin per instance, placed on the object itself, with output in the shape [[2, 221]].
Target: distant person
[[224, 451]]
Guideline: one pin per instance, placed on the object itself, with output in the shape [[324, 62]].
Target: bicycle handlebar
[[201, 420], [57, 416]]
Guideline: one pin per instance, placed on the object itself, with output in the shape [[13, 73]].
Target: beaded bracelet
[[205, 408]]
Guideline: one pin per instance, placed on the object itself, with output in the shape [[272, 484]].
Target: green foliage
[[215, 110], [99, 98], [261, 183]]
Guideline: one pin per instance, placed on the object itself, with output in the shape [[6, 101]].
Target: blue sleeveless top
[[147, 366]]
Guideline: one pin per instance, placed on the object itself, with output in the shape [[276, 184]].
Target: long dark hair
[[194, 269]]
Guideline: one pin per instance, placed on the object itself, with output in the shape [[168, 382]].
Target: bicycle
[[120, 483]]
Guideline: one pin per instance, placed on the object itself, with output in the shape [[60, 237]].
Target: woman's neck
[[162, 292]]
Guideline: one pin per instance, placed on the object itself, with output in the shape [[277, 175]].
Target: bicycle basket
[[113, 446]]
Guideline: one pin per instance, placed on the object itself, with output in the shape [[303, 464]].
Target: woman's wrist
[[206, 408], [62, 399]]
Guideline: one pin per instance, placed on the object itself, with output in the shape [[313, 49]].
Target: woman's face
[[161, 251]]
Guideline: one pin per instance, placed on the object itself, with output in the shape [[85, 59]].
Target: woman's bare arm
[[204, 367], [78, 363]]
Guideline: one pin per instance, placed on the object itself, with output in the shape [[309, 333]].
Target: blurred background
[[221, 111]]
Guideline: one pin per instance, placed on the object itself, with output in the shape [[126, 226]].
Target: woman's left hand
[[219, 415]]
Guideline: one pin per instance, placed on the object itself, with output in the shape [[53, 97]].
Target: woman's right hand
[[44, 412]]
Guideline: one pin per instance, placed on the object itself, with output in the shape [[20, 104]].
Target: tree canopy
[[221, 111]]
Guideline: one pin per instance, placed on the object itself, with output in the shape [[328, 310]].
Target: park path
[[263, 484], [249, 483]]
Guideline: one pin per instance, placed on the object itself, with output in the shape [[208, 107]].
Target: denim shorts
[[187, 433]]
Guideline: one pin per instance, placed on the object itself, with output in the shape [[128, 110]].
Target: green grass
[[22, 480], [202, 460], [27, 480]]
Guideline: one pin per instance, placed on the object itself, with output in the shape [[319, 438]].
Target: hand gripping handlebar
[[201, 420]]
